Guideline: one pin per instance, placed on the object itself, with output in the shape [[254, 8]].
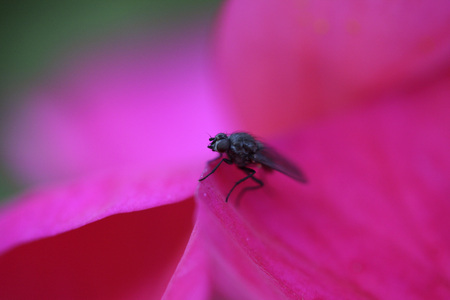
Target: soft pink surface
[[144, 103], [52, 210], [372, 223], [129, 130], [192, 278], [117, 130], [315, 58]]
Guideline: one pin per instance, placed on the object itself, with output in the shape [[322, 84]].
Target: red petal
[[126, 256]]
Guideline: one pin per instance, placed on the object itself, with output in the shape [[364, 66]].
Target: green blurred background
[[33, 34]]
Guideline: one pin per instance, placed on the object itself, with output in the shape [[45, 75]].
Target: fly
[[244, 150]]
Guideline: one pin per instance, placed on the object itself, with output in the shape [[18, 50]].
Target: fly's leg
[[228, 161], [248, 188], [250, 173]]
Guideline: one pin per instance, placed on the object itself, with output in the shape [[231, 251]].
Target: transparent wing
[[270, 158]]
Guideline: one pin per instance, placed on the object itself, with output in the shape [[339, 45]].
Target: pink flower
[[355, 94]]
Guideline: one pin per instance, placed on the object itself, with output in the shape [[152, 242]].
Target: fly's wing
[[270, 158]]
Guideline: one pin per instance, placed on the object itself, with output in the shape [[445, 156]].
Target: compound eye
[[222, 145]]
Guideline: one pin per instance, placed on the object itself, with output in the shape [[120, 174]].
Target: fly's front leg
[[228, 161]]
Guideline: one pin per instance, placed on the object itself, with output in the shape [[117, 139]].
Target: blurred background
[[34, 35]]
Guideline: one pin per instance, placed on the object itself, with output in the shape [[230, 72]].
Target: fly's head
[[220, 143]]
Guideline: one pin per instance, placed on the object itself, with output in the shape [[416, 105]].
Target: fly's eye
[[222, 145]]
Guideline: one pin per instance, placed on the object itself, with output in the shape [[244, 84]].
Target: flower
[[365, 118]]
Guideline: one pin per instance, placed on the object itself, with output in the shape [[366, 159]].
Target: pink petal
[[295, 60], [191, 278], [63, 249], [372, 223], [53, 210], [133, 102]]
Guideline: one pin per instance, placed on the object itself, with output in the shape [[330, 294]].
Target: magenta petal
[[135, 102], [48, 211], [292, 60], [372, 223]]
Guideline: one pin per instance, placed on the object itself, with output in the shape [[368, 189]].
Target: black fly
[[243, 150]]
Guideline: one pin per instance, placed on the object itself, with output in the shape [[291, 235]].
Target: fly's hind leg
[[250, 173]]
